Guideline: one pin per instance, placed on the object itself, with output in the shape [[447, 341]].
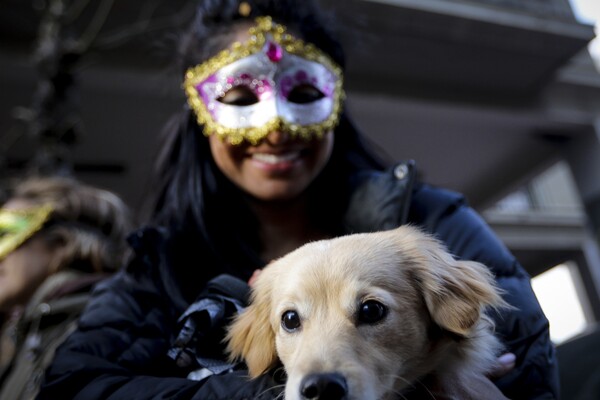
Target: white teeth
[[276, 158]]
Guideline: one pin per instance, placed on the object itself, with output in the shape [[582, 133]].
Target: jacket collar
[[381, 199]]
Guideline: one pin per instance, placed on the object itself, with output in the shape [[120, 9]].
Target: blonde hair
[[90, 223]]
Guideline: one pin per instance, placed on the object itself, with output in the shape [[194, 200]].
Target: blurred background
[[497, 99]]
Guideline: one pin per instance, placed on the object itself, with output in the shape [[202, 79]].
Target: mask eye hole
[[290, 321], [371, 312], [304, 93], [239, 96]]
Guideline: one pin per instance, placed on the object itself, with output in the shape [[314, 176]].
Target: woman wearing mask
[[58, 237], [264, 160]]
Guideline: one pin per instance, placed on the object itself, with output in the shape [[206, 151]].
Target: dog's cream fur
[[434, 320]]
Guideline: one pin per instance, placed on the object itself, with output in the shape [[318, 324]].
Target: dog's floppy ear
[[455, 292], [250, 336]]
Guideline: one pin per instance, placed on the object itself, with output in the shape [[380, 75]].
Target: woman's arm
[[119, 352]]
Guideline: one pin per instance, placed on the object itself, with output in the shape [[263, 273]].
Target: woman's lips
[[277, 162], [272, 159]]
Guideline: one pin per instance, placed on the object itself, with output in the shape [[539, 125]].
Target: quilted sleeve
[[119, 352]]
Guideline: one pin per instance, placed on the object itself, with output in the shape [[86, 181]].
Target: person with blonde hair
[[58, 238]]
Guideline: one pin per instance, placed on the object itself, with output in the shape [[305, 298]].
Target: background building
[[498, 99]]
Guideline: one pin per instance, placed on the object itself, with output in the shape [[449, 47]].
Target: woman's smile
[[279, 162], [278, 168], [272, 158]]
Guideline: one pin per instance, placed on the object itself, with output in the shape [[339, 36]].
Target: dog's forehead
[[364, 258]]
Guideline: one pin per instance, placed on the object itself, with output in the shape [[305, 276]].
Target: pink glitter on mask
[[274, 52], [301, 76]]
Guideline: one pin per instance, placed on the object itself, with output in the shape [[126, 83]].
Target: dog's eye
[[290, 321], [371, 311]]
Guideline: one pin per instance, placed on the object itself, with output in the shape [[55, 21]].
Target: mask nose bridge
[[279, 100]]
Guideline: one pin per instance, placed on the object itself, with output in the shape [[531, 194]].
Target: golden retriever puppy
[[367, 315]]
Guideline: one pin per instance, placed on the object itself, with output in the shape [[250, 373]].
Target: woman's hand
[[254, 276], [505, 364]]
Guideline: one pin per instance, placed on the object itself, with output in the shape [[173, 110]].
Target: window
[[588, 12], [560, 295]]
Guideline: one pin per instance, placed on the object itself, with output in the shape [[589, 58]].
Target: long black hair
[[202, 209]]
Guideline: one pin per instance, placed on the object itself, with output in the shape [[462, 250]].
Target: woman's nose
[[277, 137]]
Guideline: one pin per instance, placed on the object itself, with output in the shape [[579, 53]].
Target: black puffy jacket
[[120, 348]]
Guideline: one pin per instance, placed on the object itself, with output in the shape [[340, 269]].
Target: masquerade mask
[[16, 226], [273, 81]]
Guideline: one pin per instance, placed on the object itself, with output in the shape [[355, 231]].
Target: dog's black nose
[[327, 386]]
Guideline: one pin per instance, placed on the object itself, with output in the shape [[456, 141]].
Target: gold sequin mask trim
[[16, 226], [288, 84]]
